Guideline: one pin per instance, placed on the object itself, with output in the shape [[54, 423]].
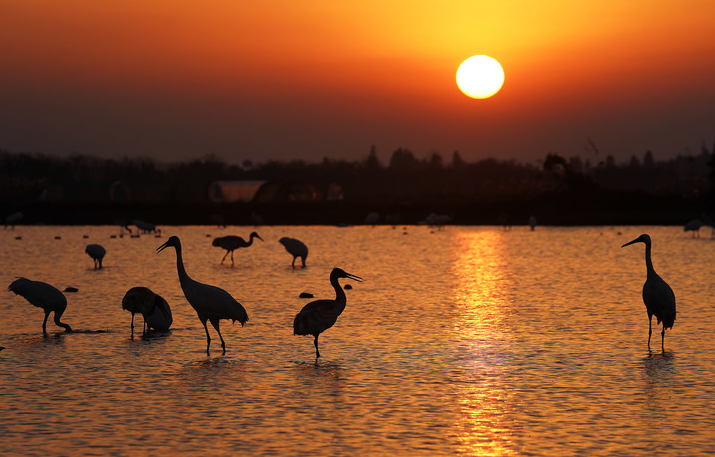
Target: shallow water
[[467, 340]]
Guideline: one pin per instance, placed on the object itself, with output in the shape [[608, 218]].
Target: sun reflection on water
[[481, 325]]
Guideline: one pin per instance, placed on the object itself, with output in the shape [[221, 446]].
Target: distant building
[[234, 191]]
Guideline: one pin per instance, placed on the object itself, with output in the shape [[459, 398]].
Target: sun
[[480, 77]]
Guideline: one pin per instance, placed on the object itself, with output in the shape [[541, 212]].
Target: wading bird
[[232, 242], [296, 248], [43, 296], [318, 316], [693, 226], [96, 252], [210, 302], [153, 308], [658, 297]]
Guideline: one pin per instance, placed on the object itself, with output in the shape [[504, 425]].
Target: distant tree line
[[405, 184]]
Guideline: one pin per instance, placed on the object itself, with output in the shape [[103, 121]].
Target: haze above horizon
[[306, 80]]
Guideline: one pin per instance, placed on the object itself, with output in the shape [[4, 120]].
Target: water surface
[[467, 340]]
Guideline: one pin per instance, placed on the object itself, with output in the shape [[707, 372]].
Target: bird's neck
[[250, 240], [648, 261], [340, 298], [183, 276]]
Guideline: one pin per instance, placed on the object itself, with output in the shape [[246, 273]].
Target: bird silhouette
[[693, 226], [153, 308], [319, 315], [96, 252], [43, 296], [210, 302], [296, 248], [658, 297], [231, 243]]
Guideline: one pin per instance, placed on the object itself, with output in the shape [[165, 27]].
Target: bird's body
[[210, 302], [296, 248], [43, 296], [231, 242], [693, 226], [319, 315], [153, 308], [97, 253], [658, 297]]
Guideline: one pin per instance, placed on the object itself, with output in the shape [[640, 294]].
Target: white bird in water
[[658, 297], [153, 308], [210, 302], [232, 242], [97, 253], [43, 296], [296, 248], [319, 315]]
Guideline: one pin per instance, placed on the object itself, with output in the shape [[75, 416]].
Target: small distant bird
[[296, 248], [153, 308], [210, 302], [96, 252], [13, 219], [693, 226], [231, 243], [43, 296], [318, 316], [658, 297], [532, 223]]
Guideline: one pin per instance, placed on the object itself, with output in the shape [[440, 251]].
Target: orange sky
[[176, 79]]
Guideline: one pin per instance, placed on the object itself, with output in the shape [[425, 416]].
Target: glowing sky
[[178, 79]]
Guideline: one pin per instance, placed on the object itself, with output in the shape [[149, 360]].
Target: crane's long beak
[[162, 247], [631, 242], [356, 278]]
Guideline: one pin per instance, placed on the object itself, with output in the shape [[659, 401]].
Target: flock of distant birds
[[211, 303]]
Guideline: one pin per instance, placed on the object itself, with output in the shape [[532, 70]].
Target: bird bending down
[[231, 243], [43, 296], [210, 302], [296, 248], [153, 308], [319, 315], [96, 252], [658, 297]]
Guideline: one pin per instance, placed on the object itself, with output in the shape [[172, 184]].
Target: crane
[[232, 242], [296, 248], [210, 302], [153, 308], [96, 252], [43, 296], [319, 315], [658, 297]]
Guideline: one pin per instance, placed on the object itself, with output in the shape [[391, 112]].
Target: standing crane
[[232, 242], [43, 296], [153, 308], [96, 252], [319, 315], [210, 302], [658, 297], [296, 248]]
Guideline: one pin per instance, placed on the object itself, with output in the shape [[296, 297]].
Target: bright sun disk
[[480, 77]]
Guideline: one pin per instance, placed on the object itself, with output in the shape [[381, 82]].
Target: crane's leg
[[293, 264], [303, 260], [144, 328], [208, 338], [44, 323], [231, 259], [662, 338], [132, 324], [650, 327], [315, 342], [100, 263], [215, 323]]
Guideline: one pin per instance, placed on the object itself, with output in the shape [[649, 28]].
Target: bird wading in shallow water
[[97, 253], [231, 243], [296, 248], [43, 296], [153, 308], [210, 302], [318, 316], [658, 297]]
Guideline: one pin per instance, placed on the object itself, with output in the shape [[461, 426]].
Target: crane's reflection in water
[[482, 329]]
